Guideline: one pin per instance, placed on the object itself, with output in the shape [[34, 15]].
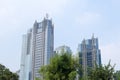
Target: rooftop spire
[[47, 16], [93, 35]]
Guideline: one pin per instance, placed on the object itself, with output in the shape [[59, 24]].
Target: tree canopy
[[6, 74], [117, 75], [105, 72], [62, 67]]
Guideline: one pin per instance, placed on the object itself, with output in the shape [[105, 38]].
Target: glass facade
[[89, 54], [37, 49], [25, 58]]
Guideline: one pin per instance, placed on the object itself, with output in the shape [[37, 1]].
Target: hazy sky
[[74, 20]]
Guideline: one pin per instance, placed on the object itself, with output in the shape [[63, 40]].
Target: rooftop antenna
[[47, 16], [93, 35]]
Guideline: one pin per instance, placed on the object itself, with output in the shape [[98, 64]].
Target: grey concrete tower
[[39, 45], [89, 54]]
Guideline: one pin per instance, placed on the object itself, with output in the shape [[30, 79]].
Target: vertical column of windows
[[38, 53]]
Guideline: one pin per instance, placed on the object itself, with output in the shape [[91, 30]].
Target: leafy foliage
[[105, 72], [6, 74], [117, 75], [65, 67], [62, 67]]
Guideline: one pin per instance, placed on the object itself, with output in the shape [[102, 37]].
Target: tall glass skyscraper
[[37, 49], [89, 54]]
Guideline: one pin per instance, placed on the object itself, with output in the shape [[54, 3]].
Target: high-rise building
[[89, 54], [37, 49], [63, 48]]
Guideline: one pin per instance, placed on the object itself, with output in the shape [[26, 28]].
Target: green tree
[[6, 74], [105, 72], [62, 67], [117, 75]]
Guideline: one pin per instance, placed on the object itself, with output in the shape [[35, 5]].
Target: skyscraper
[[37, 49], [89, 54]]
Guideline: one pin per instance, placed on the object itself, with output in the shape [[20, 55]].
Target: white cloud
[[111, 52], [87, 18]]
